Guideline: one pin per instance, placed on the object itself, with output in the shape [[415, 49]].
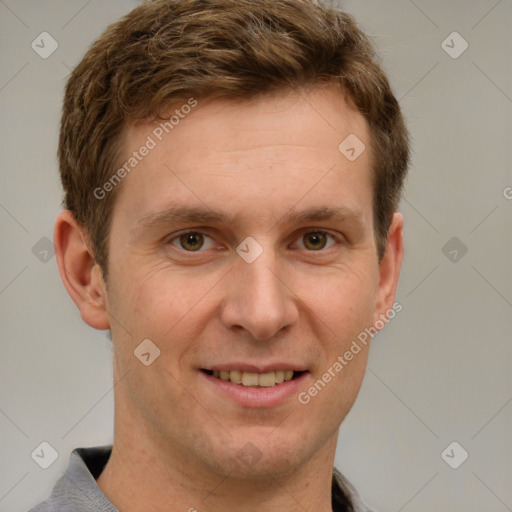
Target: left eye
[[192, 241], [316, 240]]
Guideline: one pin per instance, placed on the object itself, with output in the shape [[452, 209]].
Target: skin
[[261, 163]]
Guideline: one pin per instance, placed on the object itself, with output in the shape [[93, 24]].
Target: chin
[[254, 455]]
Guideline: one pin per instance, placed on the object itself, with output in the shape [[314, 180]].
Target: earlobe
[[81, 275], [389, 267]]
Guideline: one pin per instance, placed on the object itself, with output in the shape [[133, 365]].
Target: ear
[[80, 274], [389, 267]]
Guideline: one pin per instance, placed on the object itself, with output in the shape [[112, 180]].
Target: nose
[[258, 299]]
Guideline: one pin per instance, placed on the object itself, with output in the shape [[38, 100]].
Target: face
[[243, 247]]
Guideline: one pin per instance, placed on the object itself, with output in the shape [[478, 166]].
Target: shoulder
[[76, 490], [43, 507]]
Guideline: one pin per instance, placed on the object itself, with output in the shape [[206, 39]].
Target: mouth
[[252, 379]]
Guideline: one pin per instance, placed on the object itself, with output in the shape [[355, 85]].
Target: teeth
[[235, 377], [251, 379], [266, 380]]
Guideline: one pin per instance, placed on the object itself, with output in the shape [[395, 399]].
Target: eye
[[192, 241], [316, 240]]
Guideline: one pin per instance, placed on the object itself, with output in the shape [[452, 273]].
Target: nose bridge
[[258, 299]]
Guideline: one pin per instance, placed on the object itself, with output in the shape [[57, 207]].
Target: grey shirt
[[77, 491]]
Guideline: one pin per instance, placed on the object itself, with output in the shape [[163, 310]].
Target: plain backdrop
[[440, 372]]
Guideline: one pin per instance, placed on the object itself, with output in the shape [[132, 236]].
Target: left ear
[[389, 267]]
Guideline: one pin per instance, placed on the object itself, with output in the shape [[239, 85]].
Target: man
[[232, 171]]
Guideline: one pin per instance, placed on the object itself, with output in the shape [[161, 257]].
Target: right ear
[[79, 272]]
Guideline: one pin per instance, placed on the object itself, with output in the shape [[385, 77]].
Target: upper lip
[[260, 368]]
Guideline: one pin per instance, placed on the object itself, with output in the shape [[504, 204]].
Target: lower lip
[[249, 396]]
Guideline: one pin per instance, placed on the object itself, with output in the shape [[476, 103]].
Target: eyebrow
[[340, 214], [183, 214], [204, 215]]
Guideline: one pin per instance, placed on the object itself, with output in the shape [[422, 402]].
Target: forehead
[[259, 157]]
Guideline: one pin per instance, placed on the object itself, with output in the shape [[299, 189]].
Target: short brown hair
[[166, 51]]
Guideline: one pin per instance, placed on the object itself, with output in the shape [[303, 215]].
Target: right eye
[[192, 241]]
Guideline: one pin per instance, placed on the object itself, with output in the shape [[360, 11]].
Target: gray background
[[441, 371]]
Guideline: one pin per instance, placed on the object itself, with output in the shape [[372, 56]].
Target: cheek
[[346, 302], [148, 297], [170, 308], [345, 310]]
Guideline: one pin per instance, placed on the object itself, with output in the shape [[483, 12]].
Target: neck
[[157, 476]]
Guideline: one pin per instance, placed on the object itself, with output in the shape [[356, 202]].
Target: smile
[[252, 379]]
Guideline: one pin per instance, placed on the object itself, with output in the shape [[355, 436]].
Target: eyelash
[[333, 238]]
